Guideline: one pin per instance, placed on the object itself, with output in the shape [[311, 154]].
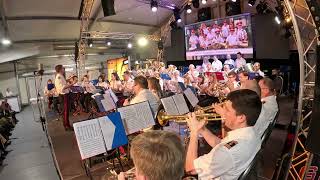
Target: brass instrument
[[128, 175], [209, 109], [163, 118]]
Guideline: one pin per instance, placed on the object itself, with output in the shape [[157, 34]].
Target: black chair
[[266, 134], [250, 173]]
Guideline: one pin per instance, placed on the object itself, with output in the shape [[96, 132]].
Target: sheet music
[[136, 117], [89, 138], [114, 97], [192, 98], [108, 103], [181, 104], [144, 112], [108, 130], [169, 106]]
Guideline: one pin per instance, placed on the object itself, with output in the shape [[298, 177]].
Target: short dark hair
[[245, 73], [269, 83], [142, 81], [232, 73], [239, 53], [102, 77], [246, 102], [58, 68]]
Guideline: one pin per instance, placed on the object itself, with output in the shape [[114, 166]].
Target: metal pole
[[16, 74]]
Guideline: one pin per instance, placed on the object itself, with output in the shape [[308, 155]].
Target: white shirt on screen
[[225, 31], [268, 113], [232, 40], [240, 62], [228, 159], [242, 34], [193, 41]]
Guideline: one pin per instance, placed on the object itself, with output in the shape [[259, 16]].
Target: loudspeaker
[[233, 8], [204, 14], [108, 7], [313, 143], [177, 50]]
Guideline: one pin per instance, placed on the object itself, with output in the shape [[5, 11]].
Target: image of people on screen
[[224, 34]]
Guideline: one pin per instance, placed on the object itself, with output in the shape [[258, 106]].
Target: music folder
[[96, 136], [192, 98], [136, 117], [175, 105]]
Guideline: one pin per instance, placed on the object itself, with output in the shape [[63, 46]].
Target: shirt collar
[[268, 98], [241, 133]]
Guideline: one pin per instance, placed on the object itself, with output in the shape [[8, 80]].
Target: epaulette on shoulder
[[230, 144]]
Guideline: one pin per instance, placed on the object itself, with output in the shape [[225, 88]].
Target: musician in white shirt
[[231, 155], [241, 33], [240, 61], [256, 68], [229, 61], [193, 73], [62, 89], [225, 29], [102, 83], [127, 84], [269, 107], [216, 64], [142, 93]]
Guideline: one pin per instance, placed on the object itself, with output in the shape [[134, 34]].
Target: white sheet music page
[[114, 97], [108, 103], [130, 119], [192, 98], [108, 129], [89, 138], [169, 106], [144, 113], [181, 104], [136, 117]]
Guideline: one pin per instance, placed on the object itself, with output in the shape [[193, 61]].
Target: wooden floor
[[71, 167]]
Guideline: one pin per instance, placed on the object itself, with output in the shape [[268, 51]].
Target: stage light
[[142, 41], [109, 43], [90, 43], [154, 5], [288, 19], [188, 8], [234, 0], [176, 13], [277, 19], [129, 45], [204, 1], [195, 3], [251, 2], [6, 42]]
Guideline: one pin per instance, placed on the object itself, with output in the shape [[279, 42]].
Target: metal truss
[[85, 17], [306, 38]]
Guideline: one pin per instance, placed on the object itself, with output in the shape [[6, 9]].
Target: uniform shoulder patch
[[231, 144]]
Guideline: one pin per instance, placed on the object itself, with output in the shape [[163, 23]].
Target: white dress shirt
[[240, 62], [147, 95], [127, 87], [268, 113], [59, 83], [229, 61], [217, 65], [228, 159]]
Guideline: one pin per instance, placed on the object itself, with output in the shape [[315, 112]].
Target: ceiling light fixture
[[188, 8], [142, 41], [204, 1], [109, 43], [176, 13], [6, 42], [277, 19], [154, 5], [129, 45], [251, 2]]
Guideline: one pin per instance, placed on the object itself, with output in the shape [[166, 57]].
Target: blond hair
[[158, 155]]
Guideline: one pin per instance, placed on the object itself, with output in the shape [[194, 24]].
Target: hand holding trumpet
[[195, 125]]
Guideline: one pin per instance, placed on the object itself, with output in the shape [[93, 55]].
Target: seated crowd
[[249, 107], [7, 123]]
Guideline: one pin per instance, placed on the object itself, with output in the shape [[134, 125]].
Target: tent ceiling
[[58, 19]]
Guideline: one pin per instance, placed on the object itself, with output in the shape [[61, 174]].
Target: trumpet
[[163, 118], [208, 109]]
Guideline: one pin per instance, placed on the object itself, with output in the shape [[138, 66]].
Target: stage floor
[[68, 155]]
